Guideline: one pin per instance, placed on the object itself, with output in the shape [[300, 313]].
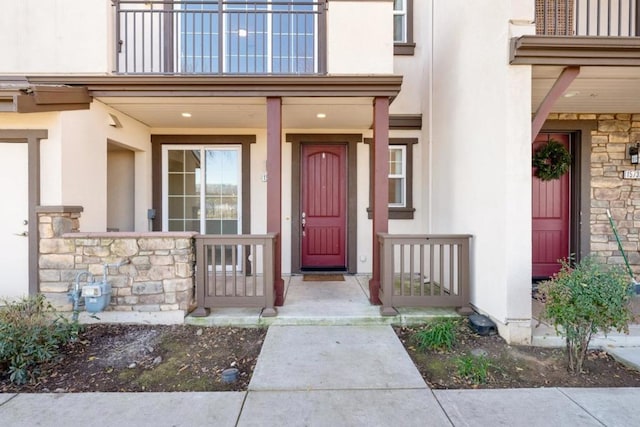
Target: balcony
[[220, 37], [602, 33], [603, 18]]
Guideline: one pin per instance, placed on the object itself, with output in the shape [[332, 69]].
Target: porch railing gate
[[423, 271], [235, 271]]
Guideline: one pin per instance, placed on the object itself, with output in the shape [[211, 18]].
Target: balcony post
[[380, 184], [274, 189]]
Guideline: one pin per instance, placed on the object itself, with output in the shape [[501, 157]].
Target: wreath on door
[[551, 161]]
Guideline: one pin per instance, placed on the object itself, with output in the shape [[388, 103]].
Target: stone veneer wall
[[160, 276], [609, 190]]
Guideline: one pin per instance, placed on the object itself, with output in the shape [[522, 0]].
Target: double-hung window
[[400, 21], [403, 27], [397, 176], [400, 178]]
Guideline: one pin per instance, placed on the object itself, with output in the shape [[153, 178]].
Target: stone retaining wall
[[159, 277], [609, 190]]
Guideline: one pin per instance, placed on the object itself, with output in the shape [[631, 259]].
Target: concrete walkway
[[332, 375]]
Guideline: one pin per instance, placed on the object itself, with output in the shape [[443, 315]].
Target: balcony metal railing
[[608, 18], [235, 271], [220, 36], [424, 271]]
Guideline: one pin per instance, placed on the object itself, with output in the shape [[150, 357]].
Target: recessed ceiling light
[[321, 115], [186, 114], [571, 94]]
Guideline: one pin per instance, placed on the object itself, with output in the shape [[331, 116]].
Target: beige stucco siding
[[55, 36], [480, 146]]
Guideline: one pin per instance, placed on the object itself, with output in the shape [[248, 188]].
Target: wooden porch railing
[[604, 18], [235, 271], [423, 271]]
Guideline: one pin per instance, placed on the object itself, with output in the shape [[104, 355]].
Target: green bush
[[586, 299], [474, 368], [439, 334], [31, 333]]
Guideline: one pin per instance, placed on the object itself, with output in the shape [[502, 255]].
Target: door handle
[[304, 220], [23, 234]]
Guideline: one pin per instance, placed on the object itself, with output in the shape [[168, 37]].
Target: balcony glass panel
[[218, 36]]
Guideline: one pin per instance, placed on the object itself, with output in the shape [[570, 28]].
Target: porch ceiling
[[162, 113], [237, 101], [595, 90]]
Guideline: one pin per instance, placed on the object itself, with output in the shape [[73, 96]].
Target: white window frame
[[165, 181], [401, 12], [222, 33], [402, 175]]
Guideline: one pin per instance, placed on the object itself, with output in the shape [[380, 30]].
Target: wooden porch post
[[380, 185], [274, 189]]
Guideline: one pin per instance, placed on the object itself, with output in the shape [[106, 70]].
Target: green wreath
[[551, 161]]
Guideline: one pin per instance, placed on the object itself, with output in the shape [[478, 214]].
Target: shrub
[[439, 334], [586, 299], [474, 368], [31, 333]]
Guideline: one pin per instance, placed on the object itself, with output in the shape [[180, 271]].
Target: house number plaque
[[634, 174]]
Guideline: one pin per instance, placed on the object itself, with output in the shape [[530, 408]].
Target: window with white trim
[[397, 176], [403, 27], [197, 177], [243, 36], [400, 178], [399, 21]]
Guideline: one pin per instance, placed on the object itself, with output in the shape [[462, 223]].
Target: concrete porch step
[[246, 317], [336, 303]]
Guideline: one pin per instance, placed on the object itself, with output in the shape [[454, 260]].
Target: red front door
[[324, 201], [550, 214]]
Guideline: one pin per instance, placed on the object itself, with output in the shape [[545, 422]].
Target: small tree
[[583, 300]]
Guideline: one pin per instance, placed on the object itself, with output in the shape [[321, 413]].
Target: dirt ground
[[136, 358], [150, 358], [513, 366]]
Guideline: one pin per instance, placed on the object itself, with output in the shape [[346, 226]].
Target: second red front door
[[323, 210], [550, 215]]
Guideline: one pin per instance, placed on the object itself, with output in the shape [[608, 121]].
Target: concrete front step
[[247, 317], [544, 335]]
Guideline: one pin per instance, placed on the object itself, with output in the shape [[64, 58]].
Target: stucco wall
[[480, 154], [360, 37], [77, 36], [83, 163], [55, 36], [120, 190]]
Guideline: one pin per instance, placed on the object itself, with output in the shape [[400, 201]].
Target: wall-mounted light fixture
[[633, 153]]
